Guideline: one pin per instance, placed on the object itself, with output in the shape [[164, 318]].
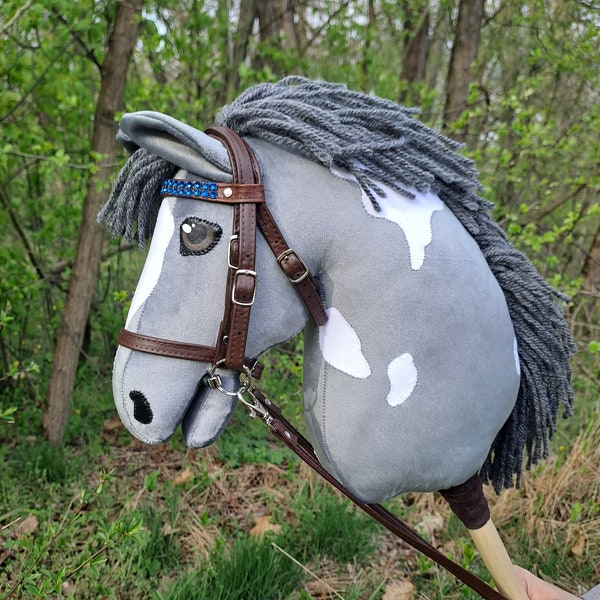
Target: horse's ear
[[160, 146], [174, 141]]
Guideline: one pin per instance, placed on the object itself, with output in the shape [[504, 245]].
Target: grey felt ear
[[176, 142]]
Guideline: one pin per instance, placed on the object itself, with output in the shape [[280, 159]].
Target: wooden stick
[[496, 559]]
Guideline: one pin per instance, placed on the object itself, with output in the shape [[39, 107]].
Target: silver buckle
[[298, 279], [233, 287]]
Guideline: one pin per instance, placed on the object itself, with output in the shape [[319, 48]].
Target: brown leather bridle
[[247, 197]]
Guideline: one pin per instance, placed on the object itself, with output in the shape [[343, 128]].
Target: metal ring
[[245, 383]]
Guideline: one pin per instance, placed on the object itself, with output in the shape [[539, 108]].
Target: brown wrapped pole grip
[[470, 505]]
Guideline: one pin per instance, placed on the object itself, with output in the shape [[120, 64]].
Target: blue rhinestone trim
[[181, 188]]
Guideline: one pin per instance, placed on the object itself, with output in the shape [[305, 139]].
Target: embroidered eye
[[198, 236]]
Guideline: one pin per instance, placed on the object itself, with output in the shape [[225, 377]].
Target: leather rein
[[246, 196]]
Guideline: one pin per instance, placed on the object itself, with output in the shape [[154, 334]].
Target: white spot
[[403, 379], [412, 215], [186, 228], [516, 353], [163, 232], [341, 347]]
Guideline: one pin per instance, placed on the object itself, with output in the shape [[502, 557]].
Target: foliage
[[531, 114], [165, 521], [143, 531], [532, 127], [330, 528]]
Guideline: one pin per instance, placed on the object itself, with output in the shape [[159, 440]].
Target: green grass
[[248, 569], [328, 526], [244, 442], [108, 517]]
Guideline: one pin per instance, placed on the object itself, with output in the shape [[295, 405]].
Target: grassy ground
[[108, 517]]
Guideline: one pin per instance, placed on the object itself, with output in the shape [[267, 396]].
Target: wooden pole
[[498, 563], [469, 504]]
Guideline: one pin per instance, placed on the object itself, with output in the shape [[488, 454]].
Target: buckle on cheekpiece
[[234, 291], [281, 261]]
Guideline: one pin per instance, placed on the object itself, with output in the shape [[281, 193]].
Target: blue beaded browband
[[182, 188]]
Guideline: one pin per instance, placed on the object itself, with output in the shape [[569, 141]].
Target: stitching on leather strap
[[182, 350], [153, 345]]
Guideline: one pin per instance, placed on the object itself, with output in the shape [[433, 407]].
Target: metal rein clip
[[245, 393]]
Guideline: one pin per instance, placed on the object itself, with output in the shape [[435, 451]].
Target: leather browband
[[246, 196], [209, 191]]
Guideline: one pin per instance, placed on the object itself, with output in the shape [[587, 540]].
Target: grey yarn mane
[[135, 198], [379, 141]]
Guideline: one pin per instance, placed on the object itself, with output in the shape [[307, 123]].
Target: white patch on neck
[[412, 215], [163, 232], [341, 347], [403, 379], [516, 353]]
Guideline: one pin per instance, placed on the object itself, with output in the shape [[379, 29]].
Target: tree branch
[[29, 91], [89, 53], [54, 271], [544, 212], [22, 234], [317, 32], [15, 17]]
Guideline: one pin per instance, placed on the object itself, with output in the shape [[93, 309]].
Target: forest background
[[517, 82]]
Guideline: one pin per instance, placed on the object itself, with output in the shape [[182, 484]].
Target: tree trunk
[[366, 50], [276, 30], [414, 55], [237, 48], [91, 234], [287, 11], [464, 53]]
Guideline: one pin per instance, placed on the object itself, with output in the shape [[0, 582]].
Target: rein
[[246, 196], [260, 406]]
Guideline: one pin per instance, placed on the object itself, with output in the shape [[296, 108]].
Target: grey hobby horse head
[[444, 353]]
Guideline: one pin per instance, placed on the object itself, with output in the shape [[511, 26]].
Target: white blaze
[[163, 232]]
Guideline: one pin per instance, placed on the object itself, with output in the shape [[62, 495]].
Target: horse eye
[[198, 236]]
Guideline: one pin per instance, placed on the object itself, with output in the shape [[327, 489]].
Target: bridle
[[246, 196]]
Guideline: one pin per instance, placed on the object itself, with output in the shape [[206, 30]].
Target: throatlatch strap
[[294, 440], [292, 265]]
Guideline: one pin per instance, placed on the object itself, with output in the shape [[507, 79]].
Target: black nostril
[[141, 407]]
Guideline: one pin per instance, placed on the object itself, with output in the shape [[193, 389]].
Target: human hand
[[538, 589]]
